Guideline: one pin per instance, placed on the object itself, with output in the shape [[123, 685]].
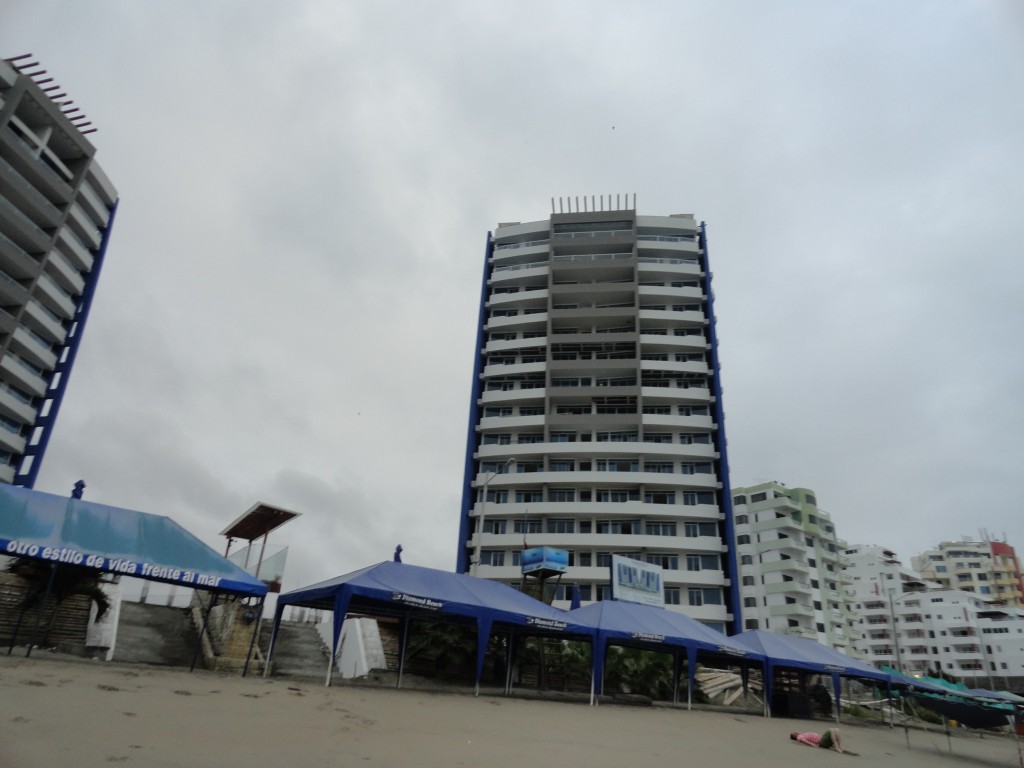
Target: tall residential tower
[[596, 421], [56, 211]]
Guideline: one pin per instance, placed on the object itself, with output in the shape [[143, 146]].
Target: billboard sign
[[545, 559], [635, 581]]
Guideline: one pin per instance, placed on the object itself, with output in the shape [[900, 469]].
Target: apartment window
[[617, 496], [529, 497], [561, 526], [739, 499], [618, 526], [741, 519], [531, 410], [504, 438], [663, 467], [743, 539], [694, 530], [705, 596], [583, 559], [671, 595], [666, 561], [616, 437], [660, 497], [572, 410], [562, 494], [660, 529], [494, 557], [616, 465], [746, 560], [657, 437], [497, 412], [748, 581], [758, 497], [561, 465], [750, 602], [700, 468], [662, 410], [750, 624], [495, 526], [700, 497], [526, 526], [497, 497], [702, 563], [563, 437]]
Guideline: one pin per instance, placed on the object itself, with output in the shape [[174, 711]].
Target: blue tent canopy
[[412, 591], [655, 629], [800, 653], [71, 531]]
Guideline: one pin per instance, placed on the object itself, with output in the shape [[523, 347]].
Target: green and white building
[[791, 565]]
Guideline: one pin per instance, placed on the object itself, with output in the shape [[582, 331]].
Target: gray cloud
[[287, 309]]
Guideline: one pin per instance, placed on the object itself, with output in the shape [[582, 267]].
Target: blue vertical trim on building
[[725, 501], [44, 424], [469, 472]]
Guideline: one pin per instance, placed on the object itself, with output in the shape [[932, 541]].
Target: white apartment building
[[56, 212], [987, 568], [918, 626], [596, 414], [791, 565]]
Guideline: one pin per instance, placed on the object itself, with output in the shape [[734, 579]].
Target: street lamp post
[[483, 513], [895, 633]]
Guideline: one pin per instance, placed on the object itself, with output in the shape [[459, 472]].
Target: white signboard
[[635, 581]]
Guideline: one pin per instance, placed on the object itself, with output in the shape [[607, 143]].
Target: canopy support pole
[[278, 614], [508, 664], [837, 687], [401, 651], [17, 626], [691, 674], [676, 672], [255, 632], [42, 607], [202, 629]]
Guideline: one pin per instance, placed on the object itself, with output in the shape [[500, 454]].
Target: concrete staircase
[[298, 651], [155, 634]]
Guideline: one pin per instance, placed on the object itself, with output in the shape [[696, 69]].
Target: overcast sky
[[287, 309]]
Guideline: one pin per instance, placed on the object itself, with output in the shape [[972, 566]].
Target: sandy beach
[[57, 712]]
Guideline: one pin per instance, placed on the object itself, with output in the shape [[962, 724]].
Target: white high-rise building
[[918, 626], [987, 568], [596, 421], [56, 212], [791, 566]]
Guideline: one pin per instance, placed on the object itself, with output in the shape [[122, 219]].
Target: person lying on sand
[[827, 740]]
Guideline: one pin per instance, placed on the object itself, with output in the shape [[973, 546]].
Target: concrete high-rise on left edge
[[56, 211]]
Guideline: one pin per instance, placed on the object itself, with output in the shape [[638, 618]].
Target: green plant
[[638, 671]]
